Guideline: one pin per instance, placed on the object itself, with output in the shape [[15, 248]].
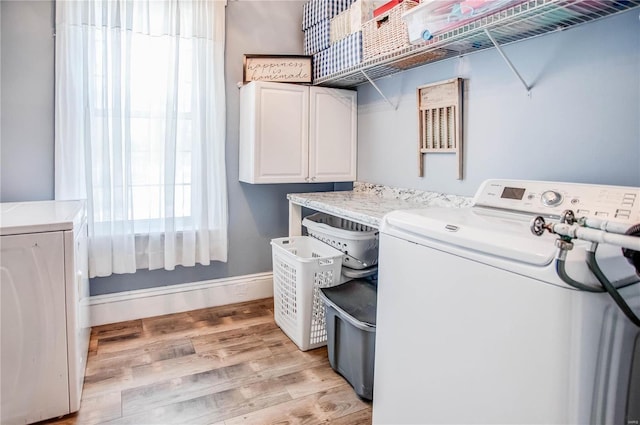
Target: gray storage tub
[[350, 317]]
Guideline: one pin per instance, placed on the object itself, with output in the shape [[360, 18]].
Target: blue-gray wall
[[26, 80], [581, 123]]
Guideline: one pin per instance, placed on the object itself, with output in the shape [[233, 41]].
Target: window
[[140, 129]]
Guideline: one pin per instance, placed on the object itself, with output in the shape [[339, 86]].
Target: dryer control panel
[[613, 203]]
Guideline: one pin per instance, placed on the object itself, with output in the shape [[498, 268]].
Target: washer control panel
[[614, 203]]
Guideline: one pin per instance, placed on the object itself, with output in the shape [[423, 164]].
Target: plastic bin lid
[[357, 298], [359, 273]]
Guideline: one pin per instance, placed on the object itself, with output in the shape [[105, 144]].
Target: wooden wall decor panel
[[440, 117]]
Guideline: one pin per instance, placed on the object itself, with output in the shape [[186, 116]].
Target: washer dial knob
[[551, 198]]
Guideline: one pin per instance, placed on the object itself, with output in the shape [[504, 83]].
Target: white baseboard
[[138, 304]]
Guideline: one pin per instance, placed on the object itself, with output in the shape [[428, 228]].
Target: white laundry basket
[[301, 266], [358, 242]]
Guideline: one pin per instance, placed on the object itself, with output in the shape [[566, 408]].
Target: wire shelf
[[519, 22]]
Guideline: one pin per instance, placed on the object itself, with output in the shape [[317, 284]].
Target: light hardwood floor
[[224, 365]]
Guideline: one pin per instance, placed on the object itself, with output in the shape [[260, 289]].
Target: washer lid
[[496, 233]]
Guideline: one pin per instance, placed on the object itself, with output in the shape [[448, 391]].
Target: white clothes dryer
[[44, 307], [475, 326]]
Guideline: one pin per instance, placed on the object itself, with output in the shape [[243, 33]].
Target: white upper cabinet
[[291, 133]]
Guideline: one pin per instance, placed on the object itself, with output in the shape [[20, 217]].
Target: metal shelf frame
[[524, 20]]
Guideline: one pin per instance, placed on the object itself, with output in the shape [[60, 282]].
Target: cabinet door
[[34, 340], [332, 134], [274, 133]]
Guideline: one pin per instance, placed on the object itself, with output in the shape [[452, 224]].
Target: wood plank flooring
[[224, 365]]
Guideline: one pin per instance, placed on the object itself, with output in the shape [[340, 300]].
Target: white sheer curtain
[[140, 129]]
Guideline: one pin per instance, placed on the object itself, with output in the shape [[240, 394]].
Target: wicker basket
[[386, 32], [340, 26], [421, 58]]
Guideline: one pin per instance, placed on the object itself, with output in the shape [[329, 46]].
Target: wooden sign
[[280, 68]]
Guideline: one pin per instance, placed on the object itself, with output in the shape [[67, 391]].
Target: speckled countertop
[[367, 203]]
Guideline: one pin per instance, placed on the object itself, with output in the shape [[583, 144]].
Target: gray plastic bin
[[350, 315]]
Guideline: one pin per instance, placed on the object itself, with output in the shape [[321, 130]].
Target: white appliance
[[475, 326], [45, 320]]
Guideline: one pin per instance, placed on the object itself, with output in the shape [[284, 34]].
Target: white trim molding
[[142, 303]]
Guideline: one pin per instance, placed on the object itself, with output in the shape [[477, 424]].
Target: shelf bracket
[[395, 107], [506, 59]]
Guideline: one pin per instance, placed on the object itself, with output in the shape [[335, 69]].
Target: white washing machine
[[45, 311], [475, 326]]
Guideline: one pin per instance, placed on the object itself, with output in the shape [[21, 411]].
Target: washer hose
[[613, 292], [630, 254], [562, 273]]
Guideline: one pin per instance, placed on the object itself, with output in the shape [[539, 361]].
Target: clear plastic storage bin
[[358, 242], [432, 17], [301, 266]]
